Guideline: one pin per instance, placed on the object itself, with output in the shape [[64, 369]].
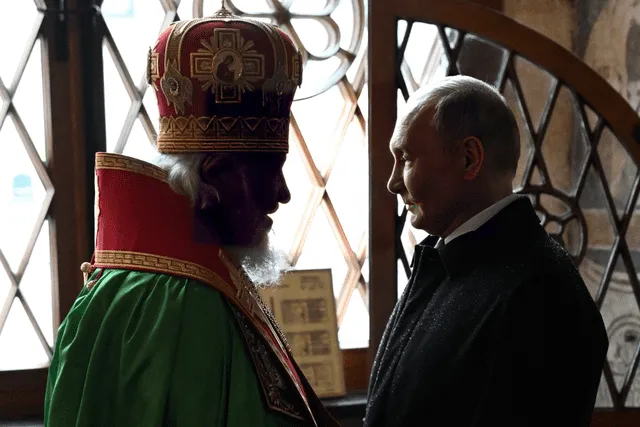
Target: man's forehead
[[396, 142], [416, 117], [399, 137]]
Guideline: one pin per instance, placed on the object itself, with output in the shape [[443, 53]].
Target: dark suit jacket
[[494, 329]]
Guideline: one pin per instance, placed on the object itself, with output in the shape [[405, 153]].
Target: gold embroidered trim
[[182, 146], [222, 133], [279, 397], [119, 162], [162, 264], [153, 71], [256, 308]]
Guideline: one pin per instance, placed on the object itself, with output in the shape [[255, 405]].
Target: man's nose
[[284, 195], [394, 185]]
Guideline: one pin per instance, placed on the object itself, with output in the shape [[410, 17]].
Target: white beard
[[264, 263]]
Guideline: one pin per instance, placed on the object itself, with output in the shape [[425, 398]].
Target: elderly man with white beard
[[170, 329]]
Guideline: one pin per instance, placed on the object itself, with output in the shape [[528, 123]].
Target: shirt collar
[[480, 219], [508, 232]]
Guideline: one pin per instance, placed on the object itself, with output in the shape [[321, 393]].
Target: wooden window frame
[[64, 59]]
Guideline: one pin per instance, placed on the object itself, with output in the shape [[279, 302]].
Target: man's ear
[[213, 171], [223, 176], [210, 168], [473, 152]]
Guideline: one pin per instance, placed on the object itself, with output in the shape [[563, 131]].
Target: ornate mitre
[[223, 84]]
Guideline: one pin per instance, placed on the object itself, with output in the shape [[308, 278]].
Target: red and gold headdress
[[224, 84]]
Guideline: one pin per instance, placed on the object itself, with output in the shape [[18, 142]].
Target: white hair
[[183, 172]]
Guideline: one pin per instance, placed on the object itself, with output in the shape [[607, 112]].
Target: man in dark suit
[[495, 327]]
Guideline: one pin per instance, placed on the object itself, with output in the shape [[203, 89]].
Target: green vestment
[[131, 353]]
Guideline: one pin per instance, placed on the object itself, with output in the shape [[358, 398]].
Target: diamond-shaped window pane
[[592, 117], [22, 195], [481, 59], [592, 269], [36, 284], [116, 100], [536, 177], [561, 148], [16, 37], [321, 136], [526, 142], [453, 36], [348, 186], [424, 58], [321, 250], [600, 231], [133, 28], [582, 147], [151, 105], [139, 144], [354, 329], [363, 103], [185, 10], [618, 166], [422, 37], [536, 85], [5, 286], [365, 269], [291, 219], [29, 102], [21, 348]]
